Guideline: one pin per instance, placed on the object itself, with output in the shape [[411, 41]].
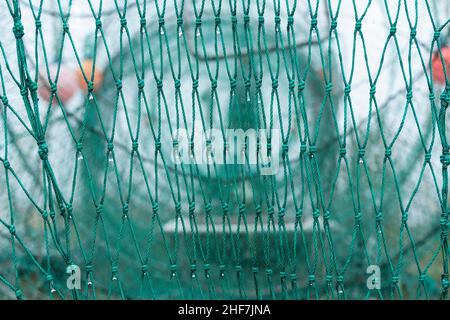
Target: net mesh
[[93, 94]]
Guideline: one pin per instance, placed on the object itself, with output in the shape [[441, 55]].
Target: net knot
[[45, 214], [49, 278], [340, 279], [274, 83], [316, 214], [155, 207], [293, 276], [135, 145], [255, 269], [90, 86], [314, 22], [144, 268], [443, 221], [326, 215], [159, 84], [99, 209], [312, 150], [110, 146], [445, 159], [303, 147], [195, 84], [358, 217], [12, 230], [258, 209], [422, 277], [311, 278], [431, 96], [32, 85], [18, 30], [161, 22], [180, 21], [53, 88], [290, 20], [233, 19], [157, 145], [299, 214], [19, 294], [373, 90], [270, 211], [114, 270], [361, 153], [436, 35], [329, 278], [328, 87], [222, 267], [123, 22], [43, 150], [241, 209], [246, 18], [261, 19], [5, 101], [291, 84], [178, 207], [198, 22], [282, 274], [358, 26], [177, 83], [217, 20], [333, 24], [378, 216], [141, 84], [285, 148], [66, 27], [413, 33], [281, 212], [388, 152], [119, 84], [277, 19], [427, 157], [89, 268], [445, 282], [213, 84], [395, 280], [79, 146], [392, 30], [301, 85], [342, 152], [23, 91], [238, 268], [191, 207], [233, 83], [247, 83], [98, 23], [347, 89], [225, 207], [208, 207], [409, 95], [269, 272], [405, 217], [38, 24], [143, 22], [6, 164]]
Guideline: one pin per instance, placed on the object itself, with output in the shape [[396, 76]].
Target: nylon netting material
[[363, 175]]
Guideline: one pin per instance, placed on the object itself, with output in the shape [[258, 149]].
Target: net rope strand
[[148, 228]]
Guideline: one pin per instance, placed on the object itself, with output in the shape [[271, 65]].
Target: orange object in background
[[65, 85], [436, 64], [87, 68]]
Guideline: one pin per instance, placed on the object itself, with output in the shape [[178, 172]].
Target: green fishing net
[[100, 99]]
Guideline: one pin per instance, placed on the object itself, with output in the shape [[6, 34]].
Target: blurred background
[[361, 181]]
